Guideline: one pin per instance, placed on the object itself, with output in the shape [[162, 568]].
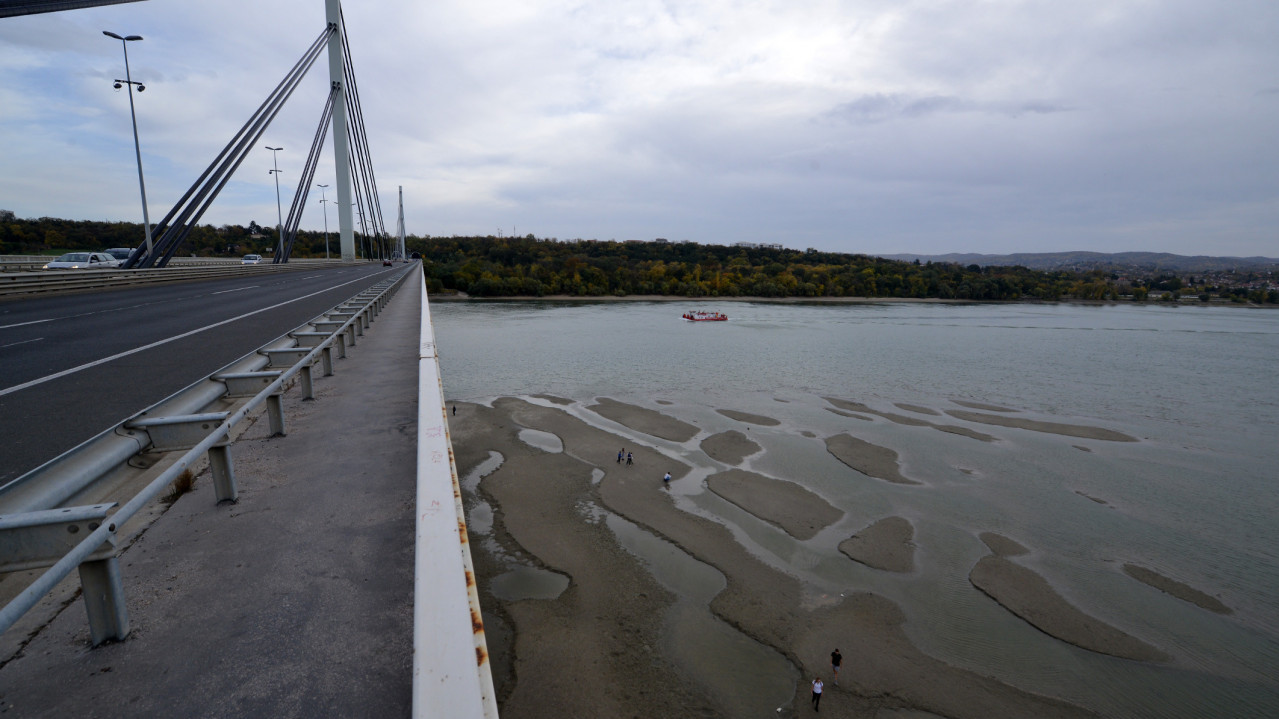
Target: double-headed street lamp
[[137, 148], [325, 204], [279, 227]]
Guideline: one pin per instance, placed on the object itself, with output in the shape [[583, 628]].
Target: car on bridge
[[120, 253], [82, 260], [251, 260]]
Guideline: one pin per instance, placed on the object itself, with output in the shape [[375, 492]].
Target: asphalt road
[[74, 366]]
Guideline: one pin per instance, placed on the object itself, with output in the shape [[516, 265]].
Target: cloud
[[858, 125]]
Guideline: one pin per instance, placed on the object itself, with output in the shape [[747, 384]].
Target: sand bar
[[644, 420], [1025, 593], [748, 418], [886, 544], [583, 671], [1003, 546], [729, 447], [1068, 430], [553, 398], [799, 512], [982, 406], [916, 408], [869, 459], [846, 405], [1181, 591]]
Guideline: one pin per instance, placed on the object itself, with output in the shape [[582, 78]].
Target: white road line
[[104, 360], [238, 289], [15, 344]]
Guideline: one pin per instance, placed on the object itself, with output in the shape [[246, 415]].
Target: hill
[[1106, 261]]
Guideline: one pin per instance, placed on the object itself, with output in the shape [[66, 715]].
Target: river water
[[1194, 499]]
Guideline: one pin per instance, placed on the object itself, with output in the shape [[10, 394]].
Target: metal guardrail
[[66, 281], [448, 630], [31, 504]]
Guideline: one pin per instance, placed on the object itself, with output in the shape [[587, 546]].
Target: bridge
[[324, 495]]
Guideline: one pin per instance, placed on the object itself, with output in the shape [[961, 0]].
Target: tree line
[[487, 266]]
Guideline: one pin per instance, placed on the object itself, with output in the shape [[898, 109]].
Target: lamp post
[[279, 227], [137, 147], [325, 204]]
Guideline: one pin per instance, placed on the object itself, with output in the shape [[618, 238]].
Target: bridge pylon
[[341, 148]]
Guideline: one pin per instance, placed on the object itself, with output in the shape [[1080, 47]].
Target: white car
[[82, 260], [251, 260]]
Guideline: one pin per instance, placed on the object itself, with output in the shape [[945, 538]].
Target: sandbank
[[595, 649], [644, 420], [854, 415], [916, 408], [869, 459], [909, 421], [1068, 430], [749, 418], [799, 512], [886, 544], [729, 447], [1181, 591], [1002, 546], [553, 398], [1025, 593], [981, 405]]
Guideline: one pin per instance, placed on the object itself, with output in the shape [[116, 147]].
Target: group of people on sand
[[835, 660], [623, 454]]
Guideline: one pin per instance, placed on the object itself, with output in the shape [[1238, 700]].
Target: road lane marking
[[15, 344], [126, 353], [238, 289]]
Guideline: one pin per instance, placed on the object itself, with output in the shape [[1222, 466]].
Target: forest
[[536, 267]]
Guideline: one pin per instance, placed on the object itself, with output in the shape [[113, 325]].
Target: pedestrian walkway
[[295, 602]]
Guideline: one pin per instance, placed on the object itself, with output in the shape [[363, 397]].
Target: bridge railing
[[451, 672], [34, 527]]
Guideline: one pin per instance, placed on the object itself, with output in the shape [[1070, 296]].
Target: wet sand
[[1066, 430], [869, 459], [886, 544], [748, 418], [729, 447], [846, 405], [644, 420], [598, 649], [799, 512], [1181, 591], [982, 406], [1028, 595]]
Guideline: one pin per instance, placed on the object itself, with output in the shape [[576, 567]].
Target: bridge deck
[[298, 600]]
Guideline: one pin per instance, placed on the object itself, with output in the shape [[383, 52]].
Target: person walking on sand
[[620, 452], [817, 693], [835, 659], [628, 459], [666, 481]]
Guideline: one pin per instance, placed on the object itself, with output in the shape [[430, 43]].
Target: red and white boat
[[705, 316]]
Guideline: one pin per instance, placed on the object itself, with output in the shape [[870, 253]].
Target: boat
[[698, 316]]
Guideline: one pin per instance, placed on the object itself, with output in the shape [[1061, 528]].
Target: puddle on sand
[[528, 583], [545, 441], [479, 515], [742, 674]]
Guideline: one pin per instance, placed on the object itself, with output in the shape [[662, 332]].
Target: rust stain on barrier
[[470, 582], [461, 531], [477, 624], [481, 656]]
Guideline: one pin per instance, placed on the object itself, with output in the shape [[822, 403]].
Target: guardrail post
[[308, 387], [342, 345], [223, 473], [103, 591], [326, 360], [275, 410]]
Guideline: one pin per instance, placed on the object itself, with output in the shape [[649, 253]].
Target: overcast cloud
[[925, 126]]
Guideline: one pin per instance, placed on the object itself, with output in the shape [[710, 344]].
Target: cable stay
[[169, 234], [304, 182]]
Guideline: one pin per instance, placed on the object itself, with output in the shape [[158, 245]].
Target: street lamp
[[137, 148], [279, 227], [325, 204]]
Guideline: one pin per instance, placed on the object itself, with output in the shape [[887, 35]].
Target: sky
[[865, 126]]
